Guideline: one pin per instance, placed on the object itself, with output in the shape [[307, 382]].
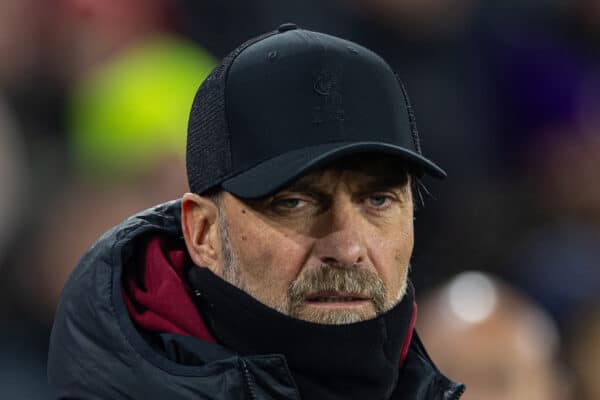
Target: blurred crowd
[[94, 98]]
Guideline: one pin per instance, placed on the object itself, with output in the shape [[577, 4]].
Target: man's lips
[[336, 298]]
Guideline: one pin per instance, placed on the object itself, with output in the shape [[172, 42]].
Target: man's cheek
[[263, 266]]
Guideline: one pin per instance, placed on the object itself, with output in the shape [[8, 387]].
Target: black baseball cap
[[292, 100]]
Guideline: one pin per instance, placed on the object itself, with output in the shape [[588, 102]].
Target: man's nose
[[342, 239]]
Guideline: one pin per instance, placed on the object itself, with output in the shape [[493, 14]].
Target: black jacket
[[97, 353]]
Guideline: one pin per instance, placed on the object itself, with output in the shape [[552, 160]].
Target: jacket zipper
[[249, 380]]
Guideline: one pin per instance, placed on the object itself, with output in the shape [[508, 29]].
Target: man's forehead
[[361, 170]]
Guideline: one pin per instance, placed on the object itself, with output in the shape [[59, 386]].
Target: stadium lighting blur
[[472, 296]]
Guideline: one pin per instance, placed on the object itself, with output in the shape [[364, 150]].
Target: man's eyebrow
[[302, 185], [373, 183]]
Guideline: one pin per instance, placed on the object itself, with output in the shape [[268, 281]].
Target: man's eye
[[378, 200], [288, 203]]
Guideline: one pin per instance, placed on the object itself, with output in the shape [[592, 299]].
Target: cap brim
[[273, 174]]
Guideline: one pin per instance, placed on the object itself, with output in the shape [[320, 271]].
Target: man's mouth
[[335, 297]]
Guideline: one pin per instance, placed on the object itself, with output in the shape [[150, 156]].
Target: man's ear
[[199, 223]]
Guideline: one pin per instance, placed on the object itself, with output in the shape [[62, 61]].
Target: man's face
[[333, 247]]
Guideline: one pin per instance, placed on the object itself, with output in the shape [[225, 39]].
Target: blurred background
[[94, 98]]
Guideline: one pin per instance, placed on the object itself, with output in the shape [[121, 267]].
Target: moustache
[[351, 280]]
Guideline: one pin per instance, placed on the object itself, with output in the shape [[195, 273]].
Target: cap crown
[[288, 90]]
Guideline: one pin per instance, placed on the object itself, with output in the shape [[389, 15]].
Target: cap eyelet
[[288, 26]]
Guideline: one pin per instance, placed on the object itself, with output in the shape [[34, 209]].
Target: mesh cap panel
[[208, 156]]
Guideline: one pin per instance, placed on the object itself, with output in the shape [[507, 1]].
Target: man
[[283, 274]]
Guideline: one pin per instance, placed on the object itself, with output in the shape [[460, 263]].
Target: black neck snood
[[354, 361]]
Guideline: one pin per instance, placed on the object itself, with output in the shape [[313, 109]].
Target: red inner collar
[[156, 295]]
